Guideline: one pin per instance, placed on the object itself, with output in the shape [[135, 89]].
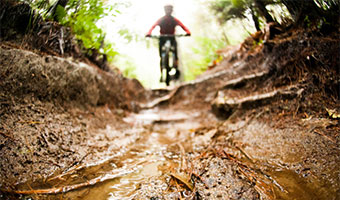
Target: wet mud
[[168, 154], [262, 126]]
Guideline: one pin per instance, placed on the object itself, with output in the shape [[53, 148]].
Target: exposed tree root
[[229, 84], [224, 106], [244, 79], [159, 100]]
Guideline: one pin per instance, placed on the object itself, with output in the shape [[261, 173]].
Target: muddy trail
[[262, 124]]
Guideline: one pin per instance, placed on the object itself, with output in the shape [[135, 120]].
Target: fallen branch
[[67, 188], [74, 169]]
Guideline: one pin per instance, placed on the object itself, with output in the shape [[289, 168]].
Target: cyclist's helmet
[[168, 8]]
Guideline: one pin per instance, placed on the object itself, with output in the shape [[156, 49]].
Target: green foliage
[[307, 11], [126, 66], [328, 4], [238, 3], [129, 70], [228, 9], [202, 56], [255, 10], [39, 5], [82, 16], [126, 34], [60, 13]]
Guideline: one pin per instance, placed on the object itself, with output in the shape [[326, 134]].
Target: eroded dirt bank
[[264, 124], [51, 110]]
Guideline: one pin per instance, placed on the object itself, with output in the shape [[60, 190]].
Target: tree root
[[160, 100], [224, 107], [68, 188], [235, 83]]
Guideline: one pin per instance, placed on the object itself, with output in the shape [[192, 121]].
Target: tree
[[57, 5], [82, 17], [312, 11], [230, 9], [260, 5], [304, 12]]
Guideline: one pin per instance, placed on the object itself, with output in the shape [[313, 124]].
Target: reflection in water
[[160, 147], [149, 156]]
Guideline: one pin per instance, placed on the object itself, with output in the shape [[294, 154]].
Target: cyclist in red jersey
[[167, 25]]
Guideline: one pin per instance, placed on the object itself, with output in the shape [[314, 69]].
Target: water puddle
[[135, 163], [160, 141], [295, 186]]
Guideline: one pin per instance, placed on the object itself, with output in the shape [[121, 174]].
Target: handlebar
[[167, 35]]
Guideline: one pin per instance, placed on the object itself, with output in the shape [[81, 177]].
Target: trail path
[[248, 129]]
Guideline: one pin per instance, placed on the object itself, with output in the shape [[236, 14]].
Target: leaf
[[238, 3], [183, 178], [60, 13], [333, 113]]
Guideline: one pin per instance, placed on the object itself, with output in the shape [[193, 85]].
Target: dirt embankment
[[57, 79], [53, 99], [48, 109]]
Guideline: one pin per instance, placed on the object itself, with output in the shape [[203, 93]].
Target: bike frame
[[167, 56]]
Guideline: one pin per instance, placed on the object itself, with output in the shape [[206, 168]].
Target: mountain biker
[[167, 25]]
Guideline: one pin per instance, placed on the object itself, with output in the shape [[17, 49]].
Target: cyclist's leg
[[161, 43], [175, 65], [174, 44]]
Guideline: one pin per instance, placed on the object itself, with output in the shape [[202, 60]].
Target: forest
[[253, 114]]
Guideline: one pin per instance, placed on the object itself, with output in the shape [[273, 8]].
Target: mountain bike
[[168, 65]]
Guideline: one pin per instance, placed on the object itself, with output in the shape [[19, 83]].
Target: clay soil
[[263, 124]]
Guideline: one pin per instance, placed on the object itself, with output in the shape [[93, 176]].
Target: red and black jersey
[[167, 25]]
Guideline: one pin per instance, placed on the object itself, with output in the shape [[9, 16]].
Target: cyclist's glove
[[147, 35], [188, 34]]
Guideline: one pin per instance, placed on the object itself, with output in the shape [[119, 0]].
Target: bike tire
[[167, 68]]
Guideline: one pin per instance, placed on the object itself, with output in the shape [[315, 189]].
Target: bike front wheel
[[166, 67]]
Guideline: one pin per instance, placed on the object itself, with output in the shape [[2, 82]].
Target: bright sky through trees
[[141, 54]]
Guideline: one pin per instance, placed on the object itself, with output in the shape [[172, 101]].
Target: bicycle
[[168, 63]]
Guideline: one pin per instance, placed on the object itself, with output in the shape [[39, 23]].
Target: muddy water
[[159, 150], [151, 155]]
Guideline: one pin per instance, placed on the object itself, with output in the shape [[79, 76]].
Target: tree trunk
[[293, 8], [255, 19], [263, 11], [299, 10]]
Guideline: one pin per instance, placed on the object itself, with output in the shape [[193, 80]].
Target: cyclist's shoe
[[177, 74]]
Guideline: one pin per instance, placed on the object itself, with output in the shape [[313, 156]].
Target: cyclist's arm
[[182, 26], [152, 27]]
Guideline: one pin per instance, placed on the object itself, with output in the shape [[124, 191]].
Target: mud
[[69, 131], [51, 78]]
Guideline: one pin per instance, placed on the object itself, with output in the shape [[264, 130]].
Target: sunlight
[[141, 53]]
